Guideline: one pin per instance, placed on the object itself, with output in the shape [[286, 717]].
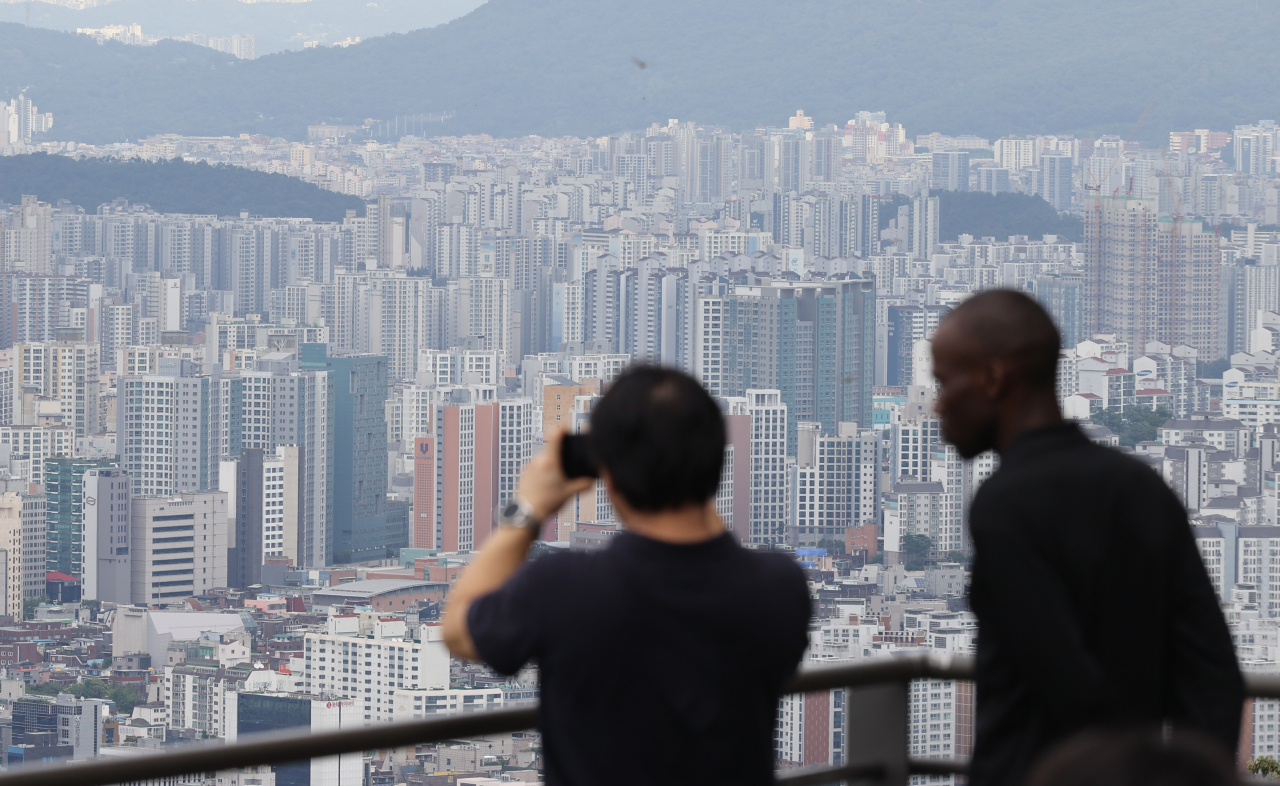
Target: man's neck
[[1036, 410], [686, 525]]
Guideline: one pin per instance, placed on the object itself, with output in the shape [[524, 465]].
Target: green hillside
[[169, 187], [588, 67], [1001, 215], [991, 215]]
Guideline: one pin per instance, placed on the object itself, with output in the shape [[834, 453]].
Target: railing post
[[878, 729]]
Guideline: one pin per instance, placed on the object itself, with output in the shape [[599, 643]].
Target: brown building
[[558, 393]]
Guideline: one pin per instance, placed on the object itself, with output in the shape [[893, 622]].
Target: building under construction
[[1151, 278]]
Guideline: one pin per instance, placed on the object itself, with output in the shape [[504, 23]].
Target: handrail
[[275, 748], [928, 665], [272, 748]]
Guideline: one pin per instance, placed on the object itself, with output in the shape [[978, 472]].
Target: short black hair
[[1008, 323], [661, 437]]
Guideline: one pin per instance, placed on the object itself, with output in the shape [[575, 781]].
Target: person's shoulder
[[1083, 458], [773, 566], [558, 564]]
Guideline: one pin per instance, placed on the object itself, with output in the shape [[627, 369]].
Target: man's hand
[[543, 484], [545, 488]]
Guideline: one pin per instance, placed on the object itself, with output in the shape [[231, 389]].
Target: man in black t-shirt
[[1094, 607], [662, 657]]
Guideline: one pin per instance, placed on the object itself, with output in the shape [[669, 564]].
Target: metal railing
[[876, 712]]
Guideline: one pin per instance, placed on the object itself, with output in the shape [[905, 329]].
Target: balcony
[[877, 727]]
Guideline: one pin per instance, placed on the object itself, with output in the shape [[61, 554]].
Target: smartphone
[[576, 460]]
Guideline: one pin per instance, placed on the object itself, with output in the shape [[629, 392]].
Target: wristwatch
[[517, 513]]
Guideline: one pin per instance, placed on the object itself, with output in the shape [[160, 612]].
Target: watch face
[[510, 510]]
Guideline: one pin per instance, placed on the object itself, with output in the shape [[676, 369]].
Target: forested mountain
[[1001, 215], [169, 187], [586, 67]]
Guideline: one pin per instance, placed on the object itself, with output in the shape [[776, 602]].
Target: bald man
[[1093, 605]]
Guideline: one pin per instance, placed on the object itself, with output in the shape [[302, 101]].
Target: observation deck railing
[[876, 710]]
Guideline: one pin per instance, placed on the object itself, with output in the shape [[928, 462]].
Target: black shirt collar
[[631, 542]]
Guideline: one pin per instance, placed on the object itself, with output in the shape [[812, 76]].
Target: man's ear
[[997, 373]]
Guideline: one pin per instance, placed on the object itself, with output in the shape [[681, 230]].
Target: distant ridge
[[169, 187], [554, 67], [276, 25]]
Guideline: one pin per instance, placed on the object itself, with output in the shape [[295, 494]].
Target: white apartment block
[[280, 476], [605, 368], [370, 658], [910, 442], [22, 536], [916, 508], [568, 313], [517, 419], [65, 371], [833, 483], [11, 551], [1252, 412], [404, 314], [710, 341], [202, 699], [941, 711], [1222, 433], [480, 313], [947, 468], [1013, 154], [38, 443], [165, 431], [1262, 730], [411, 704], [8, 388], [446, 367], [768, 463]]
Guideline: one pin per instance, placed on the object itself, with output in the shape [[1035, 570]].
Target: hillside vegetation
[[169, 187], [1001, 215], [991, 215], [587, 67]]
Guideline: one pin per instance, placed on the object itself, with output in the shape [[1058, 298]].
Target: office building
[[64, 492], [178, 546], [264, 712], [359, 527], [107, 510]]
